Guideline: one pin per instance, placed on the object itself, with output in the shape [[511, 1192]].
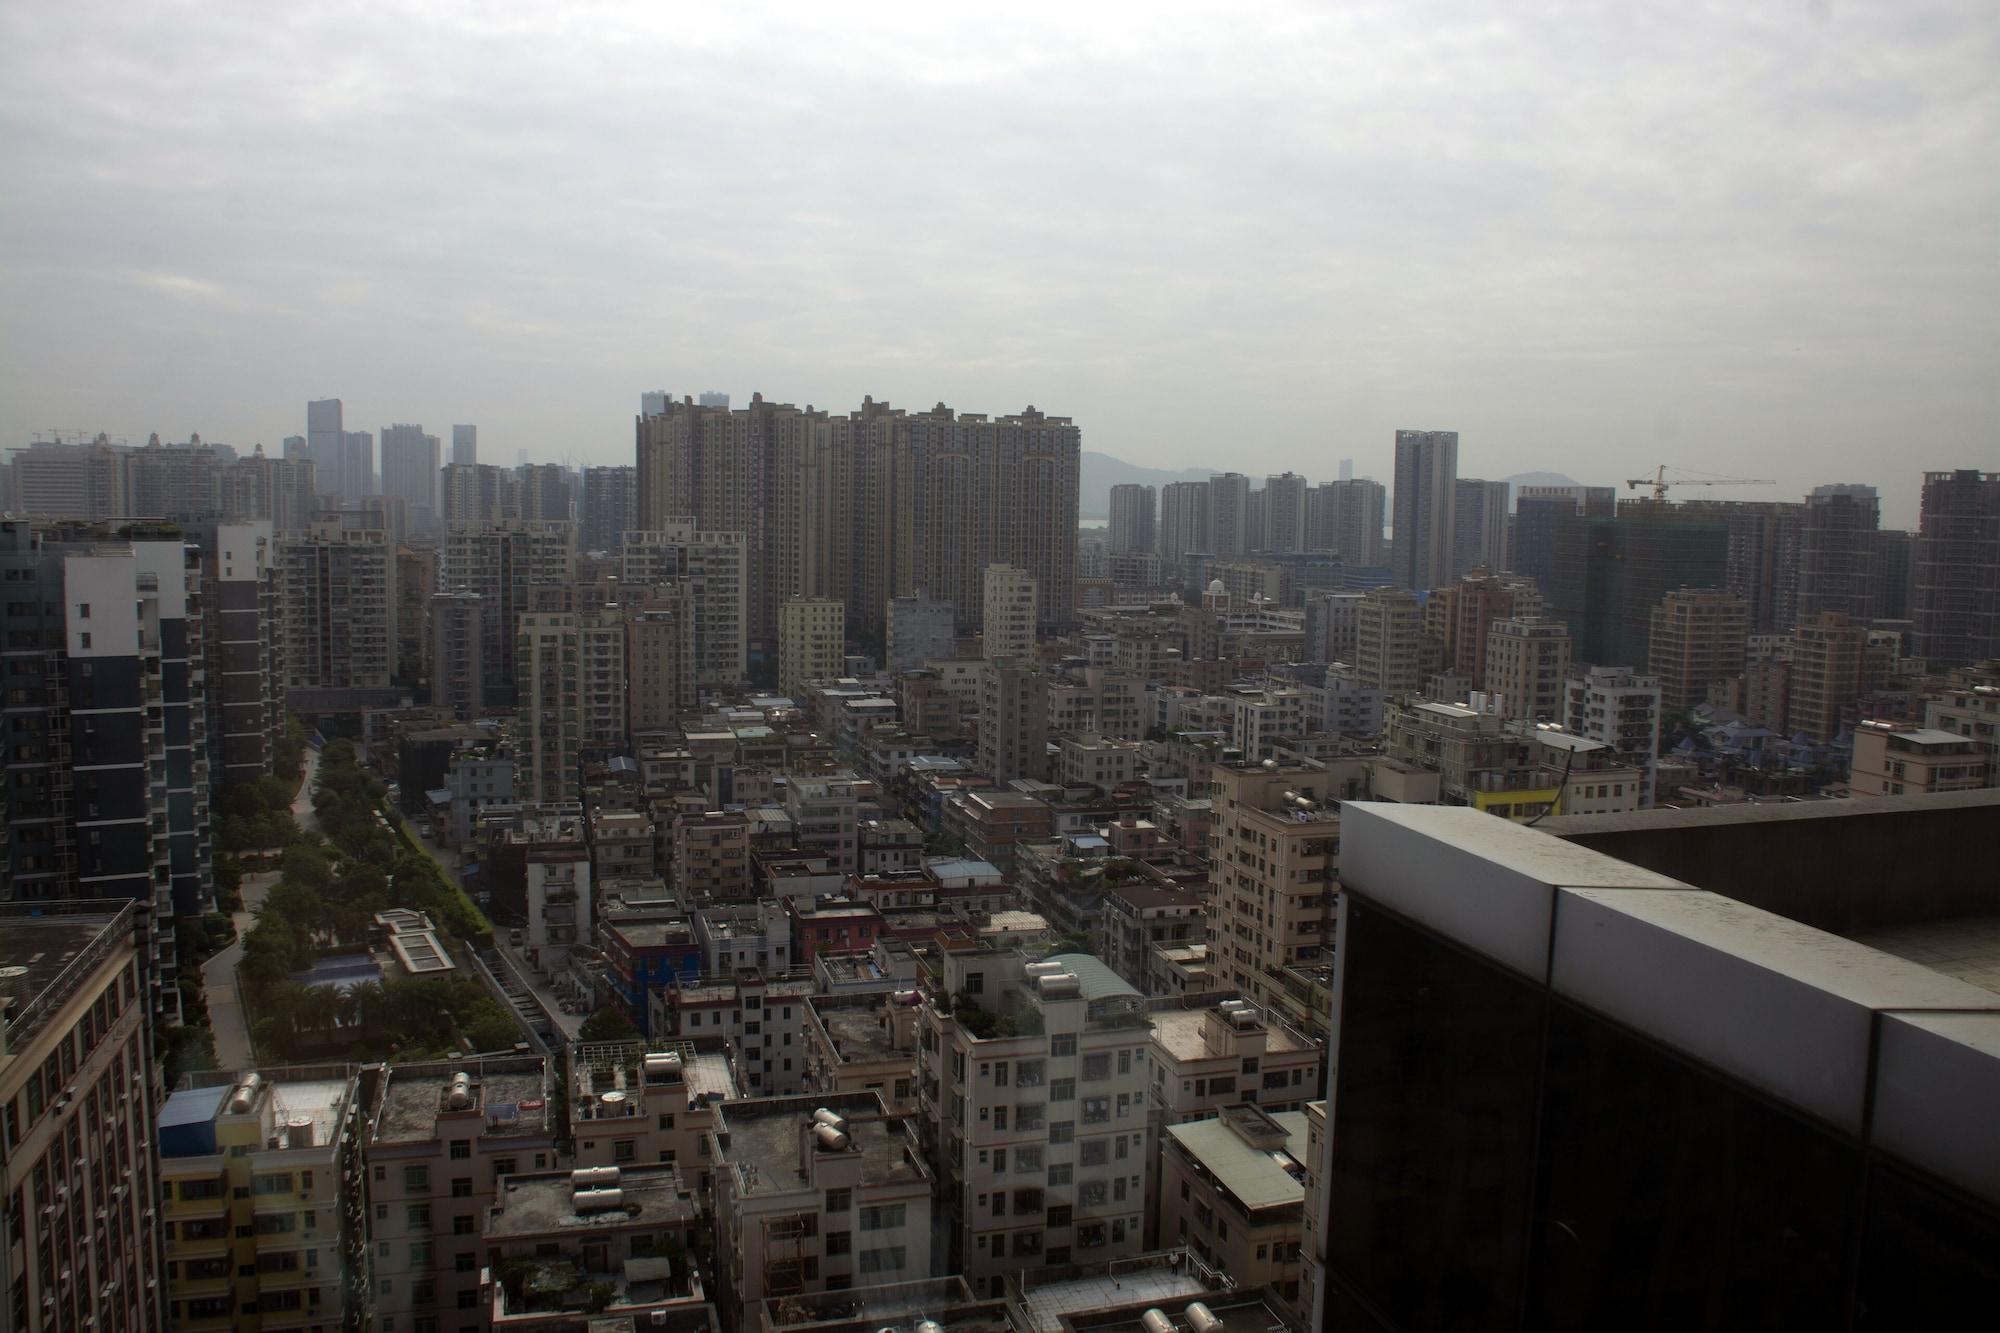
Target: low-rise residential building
[[442, 1136], [1895, 760], [1233, 1192], [645, 951], [591, 1248], [556, 861], [711, 859], [260, 1177], [864, 1043], [827, 1192], [1969, 705], [633, 1106], [1139, 917], [756, 1021]]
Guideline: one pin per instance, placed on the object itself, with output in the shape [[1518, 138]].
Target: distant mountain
[[1100, 472], [1520, 479]]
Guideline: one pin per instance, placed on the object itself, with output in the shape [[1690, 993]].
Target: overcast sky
[[1759, 240]]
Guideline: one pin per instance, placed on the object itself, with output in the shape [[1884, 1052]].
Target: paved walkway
[[226, 1018]]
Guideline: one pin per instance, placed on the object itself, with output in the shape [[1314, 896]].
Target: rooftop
[[765, 1138], [1048, 1296], [860, 1033], [55, 953], [284, 1096], [1254, 1174], [1180, 1032], [511, 1091], [542, 1203]]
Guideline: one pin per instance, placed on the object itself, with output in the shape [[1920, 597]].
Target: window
[[886, 1260], [1000, 1074], [1062, 1044], [1061, 1173], [1000, 1160], [839, 1201], [666, 1120], [417, 1179], [1098, 1066], [999, 1117], [1062, 1089], [460, 1150], [625, 1150], [1093, 1152], [1062, 1131], [463, 1263], [461, 1187], [418, 1217], [277, 1182], [462, 1226], [883, 1217], [505, 1166], [839, 1242]]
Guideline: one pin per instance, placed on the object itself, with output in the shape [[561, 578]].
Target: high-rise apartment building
[[1392, 653], [260, 1184], [106, 757], [1010, 601], [1537, 511], [355, 477], [1285, 512], [1763, 553], [610, 507], [921, 629], [245, 649], [1459, 615], [278, 491], [70, 481], [872, 505], [653, 402], [410, 470], [505, 563], [1274, 861], [1332, 626], [1479, 534], [1837, 552], [1828, 660], [340, 613], [1013, 721], [1426, 502], [1611, 572], [1956, 587], [1183, 526], [660, 654], [546, 493], [1345, 517], [1527, 663], [715, 570], [457, 653], [78, 1172], [812, 642], [465, 444], [548, 664], [181, 483], [1133, 508], [1700, 636], [478, 493], [1229, 514], [1045, 1120], [326, 440]]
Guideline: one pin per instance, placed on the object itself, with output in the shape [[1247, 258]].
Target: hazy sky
[[1753, 239]]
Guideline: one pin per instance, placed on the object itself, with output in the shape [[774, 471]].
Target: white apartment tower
[[812, 642], [1132, 514]]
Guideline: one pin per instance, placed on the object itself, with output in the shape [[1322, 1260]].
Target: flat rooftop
[[542, 1203], [1964, 947], [1043, 1307], [1179, 1031], [766, 1140], [1239, 1311], [45, 946], [859, 1033], [512, 1093]]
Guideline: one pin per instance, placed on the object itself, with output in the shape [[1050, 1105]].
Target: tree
[[607, 1024]]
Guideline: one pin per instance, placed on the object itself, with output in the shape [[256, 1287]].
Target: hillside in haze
[[1100, 472]]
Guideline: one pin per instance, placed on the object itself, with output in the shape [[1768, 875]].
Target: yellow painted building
[[260, 1177]]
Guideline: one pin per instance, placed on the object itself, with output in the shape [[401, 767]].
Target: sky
[[1751, 240]]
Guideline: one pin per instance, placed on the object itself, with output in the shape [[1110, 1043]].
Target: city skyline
[[1335, 225]]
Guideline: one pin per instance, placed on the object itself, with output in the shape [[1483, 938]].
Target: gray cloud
[[1741, 239]]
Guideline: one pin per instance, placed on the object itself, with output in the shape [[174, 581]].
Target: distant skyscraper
[[410, 472], [1132, 525], [1836, 551], [1956, 594], [325, 440], [1347, 469], [1285, 512], [1537, 509], [465, 444], [1229, 514], [1426, 502], [356, 477], [546, 493], [653, 402], [1479, 535], [295, 447], [1345, 517], [478, 493], [713, 398], [1183, 525], [610, 507]]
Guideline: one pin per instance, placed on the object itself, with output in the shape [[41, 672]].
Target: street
[[226, 1018]]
